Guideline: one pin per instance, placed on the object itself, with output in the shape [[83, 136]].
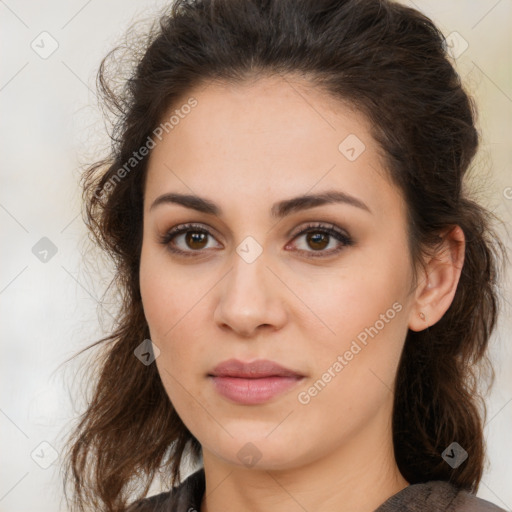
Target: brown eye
[[319, 236], [318, 240], [186, 239], [195, 239]]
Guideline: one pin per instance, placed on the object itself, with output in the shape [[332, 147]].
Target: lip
[[253, 383], [255, 369]]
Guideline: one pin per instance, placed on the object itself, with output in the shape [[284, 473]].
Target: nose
[[251, 298]]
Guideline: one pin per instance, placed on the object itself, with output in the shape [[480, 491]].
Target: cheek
[[354, 373], [165, 312], [169, 304], [365, 311], [163, 292], [167, 321], [155, 303], [345, 305]]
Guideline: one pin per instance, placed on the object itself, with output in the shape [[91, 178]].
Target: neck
[[360, 475]]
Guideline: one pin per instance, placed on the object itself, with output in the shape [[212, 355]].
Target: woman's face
[[252, 287]]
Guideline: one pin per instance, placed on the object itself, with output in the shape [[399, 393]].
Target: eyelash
[[327, 229]]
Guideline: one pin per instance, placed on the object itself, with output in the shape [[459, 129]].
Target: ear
[[434, 293]]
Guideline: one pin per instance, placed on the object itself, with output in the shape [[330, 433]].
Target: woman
[[307, 286]]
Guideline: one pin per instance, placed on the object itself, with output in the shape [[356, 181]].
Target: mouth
[[260, 368], [253, 383]]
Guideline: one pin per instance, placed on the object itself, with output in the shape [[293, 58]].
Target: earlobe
[[435, 293], [419, 325]]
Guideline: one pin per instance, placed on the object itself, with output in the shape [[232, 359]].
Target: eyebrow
[[279, 210]]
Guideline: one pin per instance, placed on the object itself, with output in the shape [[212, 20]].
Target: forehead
[[272, 138]]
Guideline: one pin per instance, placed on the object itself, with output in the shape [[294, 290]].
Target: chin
[[261, 452]]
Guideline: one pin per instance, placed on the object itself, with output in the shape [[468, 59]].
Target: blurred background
[[51, 127]]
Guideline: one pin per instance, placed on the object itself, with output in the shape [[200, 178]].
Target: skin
[[245, 147]]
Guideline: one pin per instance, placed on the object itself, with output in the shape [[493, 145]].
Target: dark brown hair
[[389, 62]]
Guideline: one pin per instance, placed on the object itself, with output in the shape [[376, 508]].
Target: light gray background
[[50, 126]]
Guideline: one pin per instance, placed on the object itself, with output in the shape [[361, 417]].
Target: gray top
[[435, 496]]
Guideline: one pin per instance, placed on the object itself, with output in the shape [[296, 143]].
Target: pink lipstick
[[253, 383]]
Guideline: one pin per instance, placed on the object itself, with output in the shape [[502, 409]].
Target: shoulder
[[156, 503], [470, 503], [436, 496], [184, 498]]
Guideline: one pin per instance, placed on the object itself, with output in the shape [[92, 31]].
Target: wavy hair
[[390, 63]]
